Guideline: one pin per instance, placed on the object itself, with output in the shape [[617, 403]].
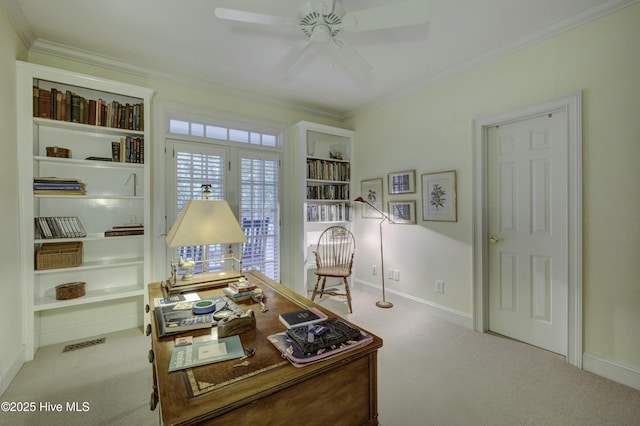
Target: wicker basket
[[59, 255]]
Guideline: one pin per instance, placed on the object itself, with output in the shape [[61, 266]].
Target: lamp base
[[384, 304]]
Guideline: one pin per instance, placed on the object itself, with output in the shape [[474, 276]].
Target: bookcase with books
[[85, 206], [323, 165]]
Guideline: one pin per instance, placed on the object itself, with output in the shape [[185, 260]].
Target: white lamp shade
[[203, 222]]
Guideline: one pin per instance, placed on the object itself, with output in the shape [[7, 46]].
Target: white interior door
[[527, 186]]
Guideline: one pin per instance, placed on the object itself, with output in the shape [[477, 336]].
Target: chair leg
[[315, 289], [348, 292]]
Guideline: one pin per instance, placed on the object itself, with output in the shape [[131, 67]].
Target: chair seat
[[333, 271]]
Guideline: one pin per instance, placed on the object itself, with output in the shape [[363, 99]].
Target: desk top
[[211, 390]]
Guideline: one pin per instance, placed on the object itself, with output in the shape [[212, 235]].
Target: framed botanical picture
[[402, 182], [439, 196], [372, 192], [402, 211]]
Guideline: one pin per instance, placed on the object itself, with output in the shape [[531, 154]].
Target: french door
[[248, 180]]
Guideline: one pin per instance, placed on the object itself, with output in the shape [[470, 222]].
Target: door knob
[[494, 240]]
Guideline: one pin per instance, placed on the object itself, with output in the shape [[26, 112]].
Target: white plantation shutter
[[259, 214], [192, 170]]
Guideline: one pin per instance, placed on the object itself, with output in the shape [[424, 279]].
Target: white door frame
[[572, 104]]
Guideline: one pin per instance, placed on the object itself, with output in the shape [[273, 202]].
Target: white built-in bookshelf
[[105, 127], [323, 166]]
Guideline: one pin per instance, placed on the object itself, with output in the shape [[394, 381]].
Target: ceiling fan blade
[[411, 12], [350, 59], [291, 58], [254, 18]]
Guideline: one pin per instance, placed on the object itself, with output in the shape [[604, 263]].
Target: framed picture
[[402, 211], [439, 196], [402, 182], [371, 191]]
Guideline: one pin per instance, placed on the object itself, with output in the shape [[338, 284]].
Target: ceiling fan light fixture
[[321, 33]]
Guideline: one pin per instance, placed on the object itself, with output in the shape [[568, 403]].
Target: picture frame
[[402, 212], [371, 190], [402, 182], [439, 201]]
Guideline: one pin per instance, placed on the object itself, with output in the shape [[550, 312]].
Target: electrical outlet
[[396, 275], [439, 286], [390, 273], [374, 270]]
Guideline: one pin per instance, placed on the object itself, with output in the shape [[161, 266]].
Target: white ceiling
[[183, 38]]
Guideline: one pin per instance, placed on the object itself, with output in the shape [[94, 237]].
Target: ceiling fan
[[321, 24]]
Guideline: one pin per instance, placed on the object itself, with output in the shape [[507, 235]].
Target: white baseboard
[[612, 370], [451, 315], [7, 375]]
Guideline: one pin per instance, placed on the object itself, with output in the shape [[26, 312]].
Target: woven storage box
[[70, 290], [56, 151], [59, 255]]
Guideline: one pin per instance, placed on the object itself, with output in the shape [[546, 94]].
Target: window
[[243, 167], [232, 134], [259, 212]]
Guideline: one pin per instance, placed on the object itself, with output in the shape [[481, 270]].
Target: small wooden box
[[70, 290], [56, 151], [59, 255]]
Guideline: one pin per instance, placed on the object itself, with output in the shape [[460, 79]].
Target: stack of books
[[58, 186], [239, 290], [126, 229]]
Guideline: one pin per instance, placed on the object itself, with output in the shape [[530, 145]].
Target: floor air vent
[[82, 345]]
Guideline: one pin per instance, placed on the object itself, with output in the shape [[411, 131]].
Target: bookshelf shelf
[[325, 188], [68, 111], [98, 264], [88, 128], [89, 163], [91, 296]]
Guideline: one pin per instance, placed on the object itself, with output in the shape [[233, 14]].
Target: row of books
[[128, 150], [58, 186], [59, 227], [328, 192], [328, 212], [67, 106], [328, 170]]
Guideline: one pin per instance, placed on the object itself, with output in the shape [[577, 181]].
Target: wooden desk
[[270, 391]]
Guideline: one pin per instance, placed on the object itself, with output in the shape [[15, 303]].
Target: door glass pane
[[259, 215], [193, 169]]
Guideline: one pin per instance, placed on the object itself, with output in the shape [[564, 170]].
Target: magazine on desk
[[179, 317], [203, 350]]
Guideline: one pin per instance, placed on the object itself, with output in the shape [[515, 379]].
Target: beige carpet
[[431, 372]]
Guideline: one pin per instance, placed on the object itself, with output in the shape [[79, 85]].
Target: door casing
[[572, 104]]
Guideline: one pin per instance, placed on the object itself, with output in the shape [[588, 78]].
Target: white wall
[[431, 130], [11, 349]]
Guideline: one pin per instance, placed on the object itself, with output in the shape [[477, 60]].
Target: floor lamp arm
[[381, 303]]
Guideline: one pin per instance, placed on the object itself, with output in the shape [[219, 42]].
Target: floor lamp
[[380, 303]]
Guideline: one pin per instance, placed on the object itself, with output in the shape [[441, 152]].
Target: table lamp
[[201, 223], [380, 303]]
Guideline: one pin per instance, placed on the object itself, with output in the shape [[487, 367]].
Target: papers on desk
[[205, 351]]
